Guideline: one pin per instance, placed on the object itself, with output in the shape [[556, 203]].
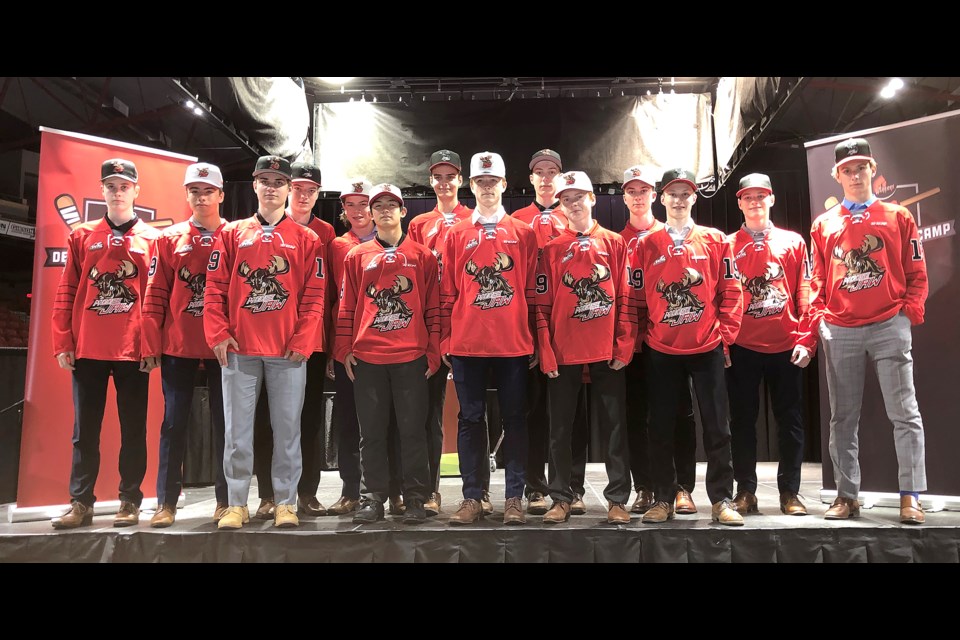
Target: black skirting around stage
[[768, 537]]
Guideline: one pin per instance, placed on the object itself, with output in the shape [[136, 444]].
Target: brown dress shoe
[[432, 506], [127, 516], [266, 510], [78, 515], [643, 502], [842, 509], [485, 504], [513, 511], [536, 504], [164, 516], [559, 512], [725, 513], [617, 514], [396, 506], [745, 502], [577, 507], [660, 512], [684, 503], [310, 506], [219, 511], [343, 505], [790, 504], [469, 512], [911, 511]]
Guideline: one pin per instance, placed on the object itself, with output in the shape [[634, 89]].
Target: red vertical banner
[[69, 195]]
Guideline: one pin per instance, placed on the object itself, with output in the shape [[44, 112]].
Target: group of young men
[[543, 299]]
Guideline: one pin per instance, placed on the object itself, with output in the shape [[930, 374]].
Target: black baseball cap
[[851, 149], [755, 181], [273, 164], [546, 154], [119, 168], [305, 172], [445, 156], [678, 175]]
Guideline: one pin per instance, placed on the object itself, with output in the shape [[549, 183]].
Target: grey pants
[[242, 379], [887, 344]]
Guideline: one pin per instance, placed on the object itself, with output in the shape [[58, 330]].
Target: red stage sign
[[69, 194]]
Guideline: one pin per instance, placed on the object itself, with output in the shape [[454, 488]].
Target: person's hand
[[220, 350], [149, 364], [66, 360], [534, 361], [616, 365], [553, 374], [726, 361], [349, 362], [293, 356], [800, 357], [330, 373]]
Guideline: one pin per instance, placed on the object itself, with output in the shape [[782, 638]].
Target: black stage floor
[[768, 537]]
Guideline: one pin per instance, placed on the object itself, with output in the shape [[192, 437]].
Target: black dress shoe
[[370, 512], [414, 513]]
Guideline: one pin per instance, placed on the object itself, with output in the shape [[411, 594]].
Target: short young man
[[264, 307], [869, 287], [97, 334], [389, 341], [584, 317], [774, 344], [173, 335]]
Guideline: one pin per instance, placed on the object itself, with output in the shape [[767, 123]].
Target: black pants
[[638, 416], [664, 389], [437, 386], [311, 421], [89, 402], [743, 385], [403, 387], [608, 394]]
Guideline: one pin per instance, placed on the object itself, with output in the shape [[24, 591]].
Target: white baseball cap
[[487, 163], [572, 180], [641, 173], [204, 172], [385, 189], [356, 187]]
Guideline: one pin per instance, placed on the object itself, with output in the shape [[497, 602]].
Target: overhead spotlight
[[336, 81], [197, 111], [189, 104], [648, 91], [888, 92], [341, 89], [896, 84], [351, 98]]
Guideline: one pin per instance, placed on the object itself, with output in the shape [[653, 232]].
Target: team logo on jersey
[[683, 305], [96, 245], [266, 292], [114, 295], [592, 300], [245, 243], [863, 272], [392, 312], [659, 260], [765, 298], [196, 282], [471, 244], [494, 291]]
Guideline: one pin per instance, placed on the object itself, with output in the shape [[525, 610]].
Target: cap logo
[[444, 157], [358, 187], [852, 148], [569, 178], [306, 174], [118, 167], [545, 152], [203, 172], [679, 172], [486, 162], [274, 162], [635, 172]]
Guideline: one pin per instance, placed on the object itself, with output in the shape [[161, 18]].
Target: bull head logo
[[680, 300], [486, 162], [203, 172], [196, 283], [118, 167], [765, 298], [357, 187], [114, 295], [392, 311], [494, 291], [266, 292], [860, 266], [592, 300], [569, 179]]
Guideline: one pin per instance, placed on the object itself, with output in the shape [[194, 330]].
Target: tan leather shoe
[[164, 517], [432, 505], [660, 512], [343, 505], [78, 515], [127, 516], [513, 511], [684, 503], [790, 504], [842, 509], [577, 507], [559, 512], [285, 517], [469, 512], [911, 511], [396, 506], [643, 502], [617, 513], [266, 510], [725, 513], [234, 517], [218, 512], [745, 502], [536, 504], [309, 506], [485, 504]]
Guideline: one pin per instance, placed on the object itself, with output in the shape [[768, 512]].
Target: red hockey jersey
[[98, 307], [173, 303], [390, 310], [584, 309], [547, 224], [689, 297], [338, 251], [265, 288], [327, 235], [867, 269], [487, 290], [430, 229], [775, 276]]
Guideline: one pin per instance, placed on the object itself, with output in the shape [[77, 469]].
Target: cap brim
[[624, 187], [851, 159], [437, 164], [385, 193], [310, 180], [685, 181], [353, 193], [121, 176], [274, 171], [534, 162], [769, 191]]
